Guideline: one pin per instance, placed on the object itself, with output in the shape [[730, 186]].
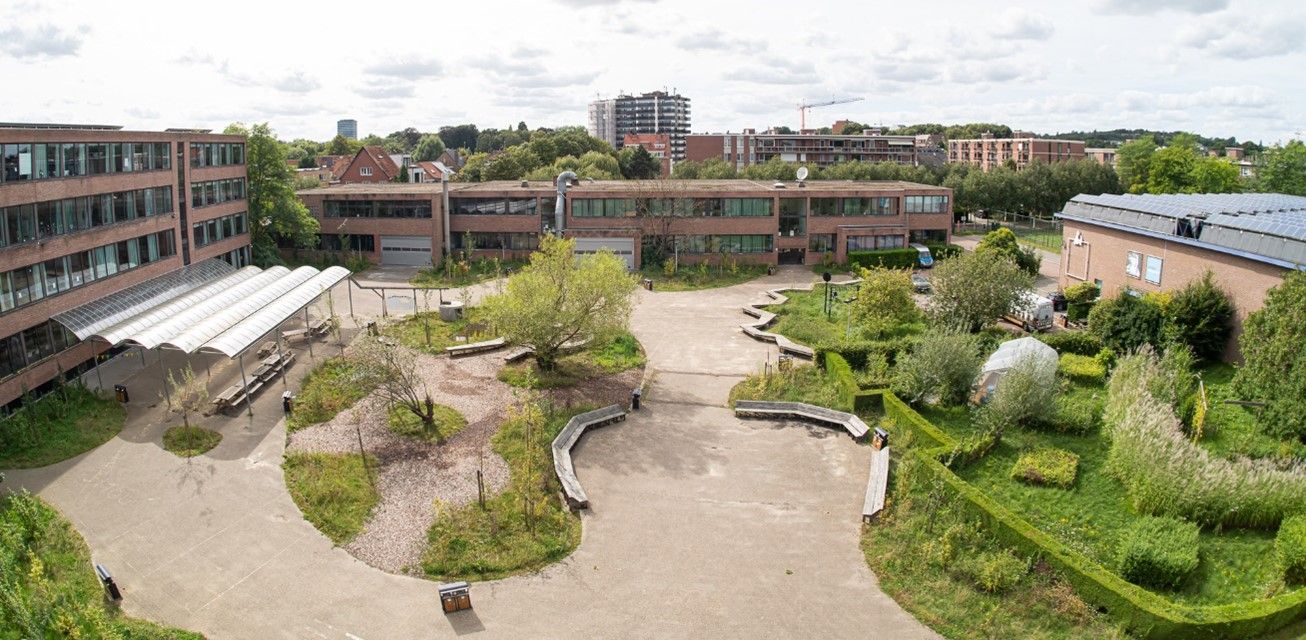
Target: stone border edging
[[756, 330], [567, 438]]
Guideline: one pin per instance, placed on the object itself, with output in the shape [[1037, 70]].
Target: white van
[[1032, 312]]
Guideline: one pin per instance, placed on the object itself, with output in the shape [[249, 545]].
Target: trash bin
[[455, 596], [1058, 301], [287, 401], [110, 586], [451, 311], [120, 392], [371, 328], [648, 283], [634, 399], [881, 439]]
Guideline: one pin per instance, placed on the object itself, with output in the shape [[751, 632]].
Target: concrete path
[[702, 525]]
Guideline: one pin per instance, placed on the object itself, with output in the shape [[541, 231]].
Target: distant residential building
[[1022, 148], [657, 145], [816, 150], [323, 175], [928, 140], [347, 128], [370, 164], [652, 112], [1102, 155]]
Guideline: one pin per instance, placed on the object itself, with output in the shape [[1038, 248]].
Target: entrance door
[[624, 248], [792, 256], [406, 250]]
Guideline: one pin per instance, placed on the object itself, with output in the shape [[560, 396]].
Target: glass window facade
[[378, 208], [793, 216], [352, 242], [25, 285], [821, 242], [874, 243], [746, 207], [602, 207], [210, 231], [32, 345], [216, 154], [490, 240], [494, 206], [752, 243], [21, 161], [204, 194], [41, 220], [925, 204]]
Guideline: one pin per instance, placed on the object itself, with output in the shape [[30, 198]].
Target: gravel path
[[414, 474]]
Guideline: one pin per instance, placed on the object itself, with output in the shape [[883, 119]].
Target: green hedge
[[1080, 343], [1147, 614], [857, 352], [944, 251], [891, 258], [841, 375], [1158, 552], [1290, 547]]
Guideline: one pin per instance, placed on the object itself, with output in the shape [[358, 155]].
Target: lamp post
[[826, 277]]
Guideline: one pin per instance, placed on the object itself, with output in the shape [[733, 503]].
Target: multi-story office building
[[1022, 148], [90, 210], [816, 150], [653, 112], [347, 128], [641, 221], [1102, 155]]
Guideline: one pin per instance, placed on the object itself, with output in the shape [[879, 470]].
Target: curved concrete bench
[[567, 438], [768, 409], [764, 319], [522, 352], [475, 347]]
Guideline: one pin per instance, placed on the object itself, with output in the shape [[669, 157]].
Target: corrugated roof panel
[[196, 314], [239, 337], [194, 337], [88, 319], [142, 321]]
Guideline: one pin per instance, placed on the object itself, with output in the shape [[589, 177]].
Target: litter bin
[[110, 586], [648, 283], [120, 392], [455, 596], [371, 328], [287, 401], [1058, 301], [881, 439], [634, 399]]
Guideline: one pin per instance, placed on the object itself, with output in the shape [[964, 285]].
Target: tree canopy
[[974, 289], [1003, 242], [428, 148], [1284, 170], [1274, 362], [884, 300], [274, 210]]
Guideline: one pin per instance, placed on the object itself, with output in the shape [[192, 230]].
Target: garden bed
[[694, 277], [462, 273], [59, 426], [424, 331]]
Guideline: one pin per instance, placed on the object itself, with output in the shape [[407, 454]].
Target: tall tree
[[342, 146], [1003, 242], [1284, 170], [428, 148], [402, 176], [1274, 362], [560, 297], [638, 164], [974, 289], [274, 209], [1133, 159], [884, 301], [403, 141], [461, 136]]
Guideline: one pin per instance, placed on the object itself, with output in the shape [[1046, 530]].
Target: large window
[[204, 194], [759, 243], [31, 345], [352, 242], [25, 285], [502, 241], [602, 207], [877, 206], [747, 207], [925, 204], [216, 154], [793, 216], [821, 242], [211, 231], [875, 243], [378, 208], [41, 220], [42, 161]]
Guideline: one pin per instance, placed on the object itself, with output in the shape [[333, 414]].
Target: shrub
[[1083, 369], [1056, 467], [1126, 322], [1081, 293], [1200, 316], [944, 251], [1079, 311], [884, 301], [1290, 547], [859, 352], [1003, 242], [995, 571], [942, 365], [1157, 552], [1025, 394], [971, 449], [1274, 362], [1080, 343], [1075, 415], [975, 289], [888, 258]]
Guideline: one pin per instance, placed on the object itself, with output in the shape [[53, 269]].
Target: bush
[[1158, 552], [1082, 369], [1084, 292], [1075, 415], [1274, 362], [1003, 242], [971, 449], [1056, 467], [944, 251], [860, 352], [1126, 322], [942, 365], [1200, 316], [1080, 343], [975, 289], [888, 258], [884, 301], [995, 571], [1026, 394], [1290, 547], [1079, 311]]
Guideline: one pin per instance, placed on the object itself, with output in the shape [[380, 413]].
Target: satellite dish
[[802, 173]]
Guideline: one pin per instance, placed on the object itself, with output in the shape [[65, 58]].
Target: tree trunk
[[546, 360]]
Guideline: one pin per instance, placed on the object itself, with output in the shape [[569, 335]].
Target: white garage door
[[623, 248], [406, 250]]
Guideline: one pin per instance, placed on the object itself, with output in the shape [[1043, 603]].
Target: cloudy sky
[[1217, 67]]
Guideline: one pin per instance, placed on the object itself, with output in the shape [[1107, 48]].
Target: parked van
[[924, 259], [1032, 312]]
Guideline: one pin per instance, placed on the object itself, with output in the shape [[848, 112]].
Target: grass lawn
[[471, 543], [1231, 430], [1039, 238], [463, 273], [614, 355], [693, 277], [54, 428], [406, 423], [332, 490], [327, 389], [189, 442], [50, 586], [802, 383], [425, 331]]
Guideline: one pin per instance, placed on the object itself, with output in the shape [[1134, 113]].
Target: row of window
[[877, 206], [237, 257], [499, 206], [216, 154], [40, 161], [872, 243], [378, 209], [752, 243], [211, 231], [711, 207], [41, 220], [26, 285], [1134, 267], [925, 204], [203, 194], [353, 242], [494, 240], [32, 345]]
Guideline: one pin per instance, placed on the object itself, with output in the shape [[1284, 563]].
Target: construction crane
[[804, 106]]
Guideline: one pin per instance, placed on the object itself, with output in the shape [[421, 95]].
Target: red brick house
[[370, 164]]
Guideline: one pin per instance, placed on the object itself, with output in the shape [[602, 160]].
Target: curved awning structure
[[91, 318], [136, 324], [193, 338], [239, 337], [193, 316]]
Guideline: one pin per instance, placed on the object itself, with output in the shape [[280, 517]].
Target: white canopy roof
[[239, 337], [194, 337], [1011, 352], [138, 323], [177, 323], [89, 319]]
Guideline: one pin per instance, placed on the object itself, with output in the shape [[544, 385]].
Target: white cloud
[[41, 41], [411, 68], [1147, 7], [1019, 24], [1239, 37]]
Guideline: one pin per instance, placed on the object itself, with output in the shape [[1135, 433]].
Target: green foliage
[[64, 423], [975, 289], [406, 423], [558, 298], [1274, 362], [710, 169], [1082, 369], [803, 383], [428, 149], [1056, 467], [1166, 474], [332, 490], [612, 354], [327, 389], [342, 146], [995, 571], [884, 301], [1002, 242], [1026, 394], [1126, 322], [1081, 293], [454, 272], [941, 367], [1081, 343], [693, 278], [1133, 160], [274, 209], [48, 586], [636, 163], [1075, 414], [1175, 168], [1290, 548], [1200, 316], [189, 442], [842, 377], [1158, 552], [1283, 169], [884, 259]]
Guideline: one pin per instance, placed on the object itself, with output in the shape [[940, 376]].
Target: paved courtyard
[[702, 525]]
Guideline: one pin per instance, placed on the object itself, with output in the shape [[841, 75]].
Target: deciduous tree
[[1274, 359], [428, 148], [884, 300], [974, 289], [187, 395], [274, 209], [393, 372], [1284, 170]]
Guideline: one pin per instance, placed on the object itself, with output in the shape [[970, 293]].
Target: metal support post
[[245, 383], [284, 365], [308, 334], [349, 287], [164, 380], [99, 378]]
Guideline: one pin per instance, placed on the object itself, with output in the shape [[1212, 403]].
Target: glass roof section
[[89, 319], [211, 326], [139, 323], [245, 333], [196, 314]]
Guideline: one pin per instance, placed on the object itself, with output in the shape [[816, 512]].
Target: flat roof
[[1269, 227], [381, 188], [634, 187]]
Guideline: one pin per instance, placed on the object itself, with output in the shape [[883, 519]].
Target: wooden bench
[[267, 348], [767, 409], [475, 347], [294, 334], [567, 439], [521, 353], [877, 485], [320, 327]]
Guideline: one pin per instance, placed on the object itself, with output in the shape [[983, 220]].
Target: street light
[[826, 277]]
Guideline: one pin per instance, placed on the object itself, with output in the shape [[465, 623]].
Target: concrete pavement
[[702, 525]]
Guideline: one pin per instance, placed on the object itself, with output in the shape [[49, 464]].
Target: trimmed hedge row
[[845, 383], [1145, 613], [890, 258]]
